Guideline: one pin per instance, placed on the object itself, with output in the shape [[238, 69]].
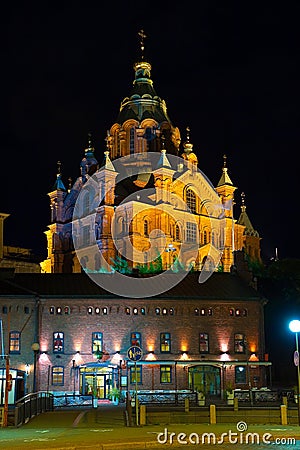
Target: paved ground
[[104, 428]]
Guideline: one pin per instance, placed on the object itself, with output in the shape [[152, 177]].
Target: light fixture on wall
[[27, 369]]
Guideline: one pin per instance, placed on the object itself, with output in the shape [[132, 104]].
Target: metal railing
[[31, 405], [72, 400], [167, 398]]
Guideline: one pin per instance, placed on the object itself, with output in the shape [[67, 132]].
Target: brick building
[[197, 337]]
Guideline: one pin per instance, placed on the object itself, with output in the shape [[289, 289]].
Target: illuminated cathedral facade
[[143, 126]]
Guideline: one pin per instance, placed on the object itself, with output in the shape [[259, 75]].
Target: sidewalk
[[104, 429]]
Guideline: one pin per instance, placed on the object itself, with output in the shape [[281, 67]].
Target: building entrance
[[96, 385], [206, 379], [97, 380]]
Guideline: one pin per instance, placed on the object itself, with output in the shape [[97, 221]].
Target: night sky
[[228, 70]]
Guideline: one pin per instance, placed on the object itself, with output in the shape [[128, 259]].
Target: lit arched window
[[146, 228], [191, 200], [177, 233]]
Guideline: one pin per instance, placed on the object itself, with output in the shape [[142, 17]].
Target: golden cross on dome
[[142, 35], [224, 159]]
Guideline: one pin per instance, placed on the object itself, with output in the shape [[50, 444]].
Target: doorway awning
[[98, 365]]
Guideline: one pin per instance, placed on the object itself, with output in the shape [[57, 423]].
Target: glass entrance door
[[205, 379], [101, 386], [95, 384]]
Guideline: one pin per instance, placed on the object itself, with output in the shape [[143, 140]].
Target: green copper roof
[[143, 101]]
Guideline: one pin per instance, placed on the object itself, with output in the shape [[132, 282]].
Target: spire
[[244, 219], [59, 185], [188, 153], [187, 145], [163, 160], [243, 206], [225, 178], [107, 164], [89, 163]]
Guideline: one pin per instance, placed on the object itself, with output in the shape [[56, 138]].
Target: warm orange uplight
[[150, 348], [183, 347], [252, 348], [253, 357], [224, 347]]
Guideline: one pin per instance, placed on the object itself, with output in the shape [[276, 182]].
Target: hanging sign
[[134, 353]]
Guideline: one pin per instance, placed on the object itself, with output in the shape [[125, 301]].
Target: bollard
[[283, 412], [186, 405], [212, 414], [143, 415], [285, 400], [235, 404]]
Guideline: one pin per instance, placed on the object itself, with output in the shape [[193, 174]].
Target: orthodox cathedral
[[142, 127], [67, 334]]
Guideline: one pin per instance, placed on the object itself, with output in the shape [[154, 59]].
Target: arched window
[[191, 200], [146, 228], [177, 233]]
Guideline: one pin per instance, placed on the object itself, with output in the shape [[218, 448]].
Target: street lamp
[[35, 347], [294, 326]]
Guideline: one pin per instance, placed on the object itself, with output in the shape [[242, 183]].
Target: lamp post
[[73, 367], [35, 347], [294, 326]]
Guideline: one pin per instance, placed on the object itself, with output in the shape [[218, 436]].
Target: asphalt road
[[104, 428]]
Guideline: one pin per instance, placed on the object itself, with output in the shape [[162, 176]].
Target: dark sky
[[228, 70]]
